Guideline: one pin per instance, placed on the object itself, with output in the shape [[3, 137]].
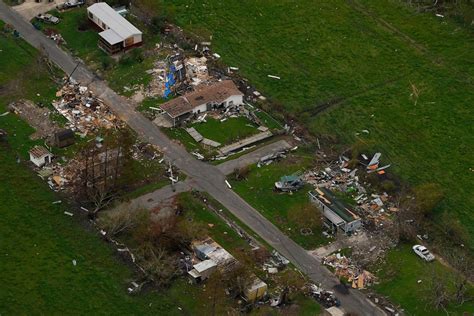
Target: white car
[[423, 253]]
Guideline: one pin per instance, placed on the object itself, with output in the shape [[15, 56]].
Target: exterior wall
[[256, 293], [200, 109], [352, 226], [236, 100], [95, 20], [39, 162], [137, 39]]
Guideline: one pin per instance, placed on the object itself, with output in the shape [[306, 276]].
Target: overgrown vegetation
[[440, 291], [358, 65]]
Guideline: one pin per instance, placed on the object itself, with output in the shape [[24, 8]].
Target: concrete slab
[[244, 142], [253, 157]]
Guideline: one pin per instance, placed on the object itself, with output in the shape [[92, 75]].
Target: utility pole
[[70, 75]]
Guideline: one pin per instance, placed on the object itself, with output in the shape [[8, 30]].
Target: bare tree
[[161, 266], [438, 294], [118, 221]]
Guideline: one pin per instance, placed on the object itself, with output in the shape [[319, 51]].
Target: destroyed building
[[289, 183], [338, 215], [221, 94], [210, 257]]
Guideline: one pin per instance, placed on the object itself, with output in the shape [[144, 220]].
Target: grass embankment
[[371, 70], [399, 276], [280, 208]]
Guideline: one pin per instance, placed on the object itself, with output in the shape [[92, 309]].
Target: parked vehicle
[[47, 18], [423, 253], [70, 4]]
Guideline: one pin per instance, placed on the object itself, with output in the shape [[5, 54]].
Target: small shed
[[40, 156], [64, 138], [256, 290]]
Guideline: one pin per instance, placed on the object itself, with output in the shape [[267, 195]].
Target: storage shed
[[117, 33], [40, 156], [64, 138], [256, 290]]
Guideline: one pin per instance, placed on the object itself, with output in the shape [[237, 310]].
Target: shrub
[[107, 62], [427, 196]]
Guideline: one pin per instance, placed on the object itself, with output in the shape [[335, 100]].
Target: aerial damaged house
[[118, 33], [222, 94], [337, 214]]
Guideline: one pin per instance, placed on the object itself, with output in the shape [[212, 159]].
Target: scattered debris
[[85, 113], [290, 183], [344, 268]]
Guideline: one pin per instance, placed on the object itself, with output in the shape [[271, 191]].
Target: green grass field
[[398, 281], [258, 190], [227, 132], [366, 58]]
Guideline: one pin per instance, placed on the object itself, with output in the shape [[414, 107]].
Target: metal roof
[[338, 207], [111, 37], [38, 152], [204, 265], [113, 20]]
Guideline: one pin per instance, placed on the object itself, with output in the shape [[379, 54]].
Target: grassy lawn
[[398, 281], [258, 190], [83, 43], [341, 52], [227, 132]]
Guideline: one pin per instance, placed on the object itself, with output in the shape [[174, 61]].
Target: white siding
[[236, 99], [39, 162], [200, 109]]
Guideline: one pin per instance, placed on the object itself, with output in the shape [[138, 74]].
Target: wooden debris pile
[[344, 268], [85, 112]]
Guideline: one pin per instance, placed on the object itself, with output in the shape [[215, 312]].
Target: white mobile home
[[117, 33]]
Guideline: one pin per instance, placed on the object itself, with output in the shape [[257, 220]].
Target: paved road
[[202, 176]]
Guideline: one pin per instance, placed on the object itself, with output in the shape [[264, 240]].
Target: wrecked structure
[[85, 112], [338, 215], [289, 183], [210, 257], [222, 94], [344, 268]]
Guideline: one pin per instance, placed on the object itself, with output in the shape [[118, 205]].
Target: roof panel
[[111, 37]]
